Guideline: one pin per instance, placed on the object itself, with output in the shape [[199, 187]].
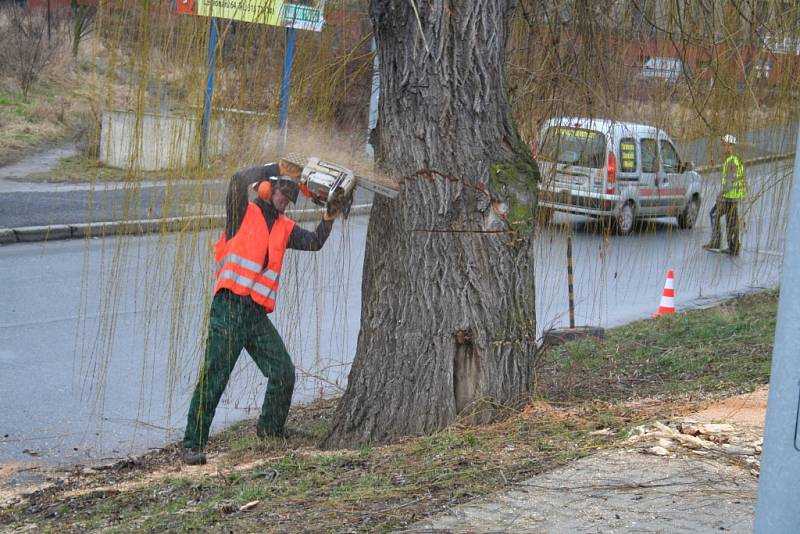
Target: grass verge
[[82, 169], [45, 118], [643, 371], [725, 349]]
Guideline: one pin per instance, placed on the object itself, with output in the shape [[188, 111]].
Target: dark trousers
[[238, 323], [729, 209]]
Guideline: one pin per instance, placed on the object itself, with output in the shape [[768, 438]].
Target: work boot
[[193, 457], [711, 246]]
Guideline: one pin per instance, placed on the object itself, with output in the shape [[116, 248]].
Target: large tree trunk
[[447, 315]]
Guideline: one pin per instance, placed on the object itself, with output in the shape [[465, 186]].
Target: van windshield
[[574, 146]]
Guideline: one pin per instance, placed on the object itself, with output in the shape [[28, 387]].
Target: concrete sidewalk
[[614, 491]]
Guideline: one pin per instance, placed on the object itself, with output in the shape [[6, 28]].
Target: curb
[[30, 234]]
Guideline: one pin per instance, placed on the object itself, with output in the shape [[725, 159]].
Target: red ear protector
[[264, 190]]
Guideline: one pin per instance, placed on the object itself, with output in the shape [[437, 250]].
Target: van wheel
[[687, 219], [544, 215], [626, 218]]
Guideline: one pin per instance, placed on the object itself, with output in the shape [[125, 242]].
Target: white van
[[666, 69], [616, 170]]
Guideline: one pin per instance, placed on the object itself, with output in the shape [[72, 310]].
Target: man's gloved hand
[[332, 211]]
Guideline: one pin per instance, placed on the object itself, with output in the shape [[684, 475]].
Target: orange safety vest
[[241, 265]]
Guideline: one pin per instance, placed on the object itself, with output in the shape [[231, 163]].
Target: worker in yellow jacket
[[734, 189]]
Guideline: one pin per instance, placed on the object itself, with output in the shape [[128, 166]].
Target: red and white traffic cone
[[667, 297]]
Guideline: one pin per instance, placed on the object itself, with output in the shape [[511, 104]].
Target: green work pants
[[239, 323], [730, 210]]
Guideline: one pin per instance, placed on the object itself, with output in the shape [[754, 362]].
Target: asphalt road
[[40, 204], [94, 365], [99, 347], [619, 279]]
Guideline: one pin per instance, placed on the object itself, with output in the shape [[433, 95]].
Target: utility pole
[[48, 22], [777, 509]]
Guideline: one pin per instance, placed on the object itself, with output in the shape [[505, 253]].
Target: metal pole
[[777, 509], [287, 78], [570, 284], [212, 60]]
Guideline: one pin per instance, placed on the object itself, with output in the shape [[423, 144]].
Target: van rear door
[[578, 156]]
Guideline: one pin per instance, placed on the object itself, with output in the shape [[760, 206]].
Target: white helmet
[[729, 139]]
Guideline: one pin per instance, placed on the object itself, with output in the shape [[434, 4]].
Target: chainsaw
[[330, 184]]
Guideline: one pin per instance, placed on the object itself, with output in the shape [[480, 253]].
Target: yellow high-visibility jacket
[[734, 186]]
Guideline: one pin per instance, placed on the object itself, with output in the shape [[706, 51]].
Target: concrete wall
[[152, 142]]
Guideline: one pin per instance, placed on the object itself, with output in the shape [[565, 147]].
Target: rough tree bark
[[447, 317]]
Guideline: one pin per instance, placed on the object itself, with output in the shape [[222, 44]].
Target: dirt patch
[[748, 409], [16, 478], [219, 465]]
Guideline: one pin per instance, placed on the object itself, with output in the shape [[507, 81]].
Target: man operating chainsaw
[[248, 258]]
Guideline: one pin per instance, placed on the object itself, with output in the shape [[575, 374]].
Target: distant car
[[615, 170], [667, 69]]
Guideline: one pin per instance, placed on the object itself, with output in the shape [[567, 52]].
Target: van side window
[[627, 154], [649, 156], [669, 157]]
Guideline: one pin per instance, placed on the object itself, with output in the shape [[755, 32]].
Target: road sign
[[303, 16]]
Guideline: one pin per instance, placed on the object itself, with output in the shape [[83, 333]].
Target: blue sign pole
[[287, 78], [212, 60]]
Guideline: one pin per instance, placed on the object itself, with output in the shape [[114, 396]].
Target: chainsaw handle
[[290, 169]]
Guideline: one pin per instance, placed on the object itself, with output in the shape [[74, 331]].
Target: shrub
[[28, 43]]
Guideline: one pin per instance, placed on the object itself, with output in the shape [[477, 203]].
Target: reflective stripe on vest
[[249, 264], [254, 286], [738, 187]]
